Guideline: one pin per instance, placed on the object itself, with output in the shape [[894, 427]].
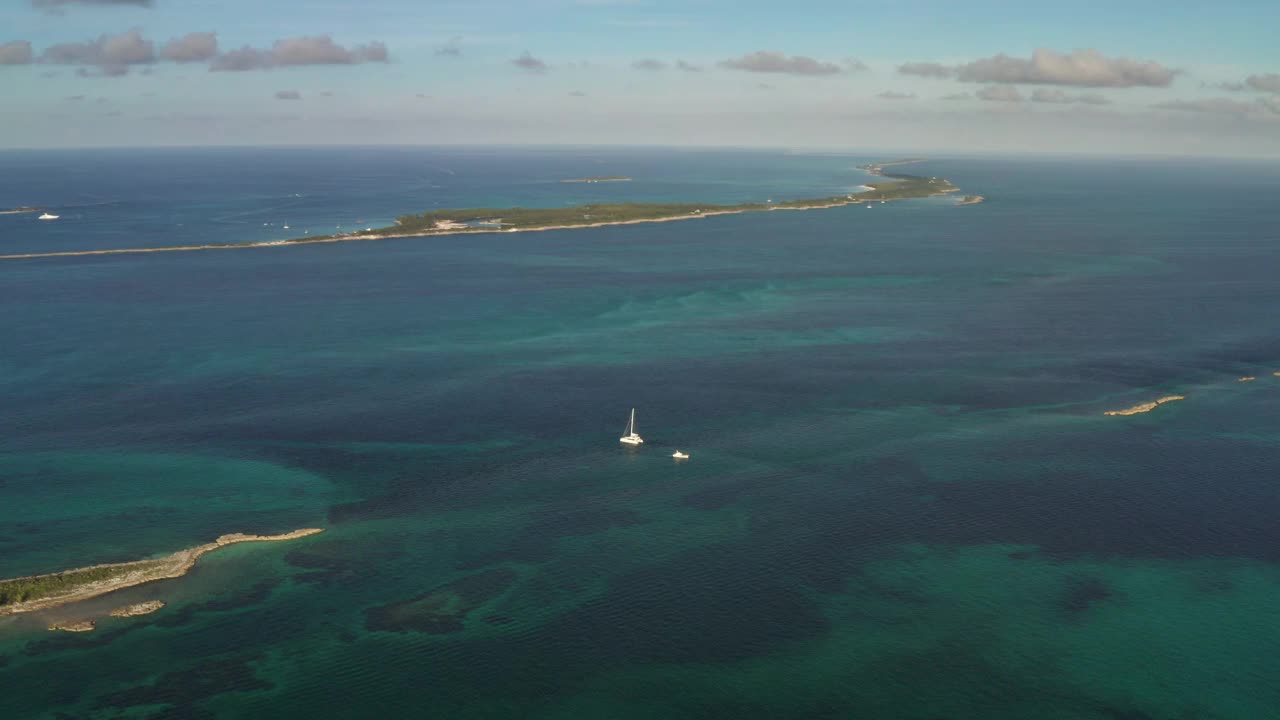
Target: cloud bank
[[291, 52], [926, 69], [1044, 95], [193, 47], [528, 62], [1000, 93], [767, 61], [1079, 68], [453, 48], [17, 52], [1265, 83], [110, 55], [1082, 68], [1264, 108]]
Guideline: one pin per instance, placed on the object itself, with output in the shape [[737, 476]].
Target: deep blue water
[[903, 500]]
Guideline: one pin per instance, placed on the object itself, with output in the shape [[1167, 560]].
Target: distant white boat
[[631, 438], [48, 216], [679, 455]]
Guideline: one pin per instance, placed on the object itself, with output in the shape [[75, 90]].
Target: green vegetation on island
[[40, 587]]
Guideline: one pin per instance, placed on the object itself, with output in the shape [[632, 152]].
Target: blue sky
[[1161, 77]]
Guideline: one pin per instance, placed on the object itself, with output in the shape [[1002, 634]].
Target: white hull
[[630, 437]]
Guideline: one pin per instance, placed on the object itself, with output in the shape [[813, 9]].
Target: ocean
[[903, 498]]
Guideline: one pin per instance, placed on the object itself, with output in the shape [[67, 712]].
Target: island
[[598, 179], [878, 168], [1145, 407], [474, 220], [894, 186], [142, 608], [42, 592], [75, 626], [21, 210]]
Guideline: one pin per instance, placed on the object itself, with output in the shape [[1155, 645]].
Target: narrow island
[[21, 210], [598, 179], [476, 220], [894, 186], [1145, 407], [42, 592]]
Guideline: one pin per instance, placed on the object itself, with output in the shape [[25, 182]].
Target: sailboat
[[631, 438]]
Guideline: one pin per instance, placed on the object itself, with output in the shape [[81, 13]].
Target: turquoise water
[[903, 499]]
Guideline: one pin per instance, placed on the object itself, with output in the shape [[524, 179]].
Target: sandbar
[[42, 592], [1146, 407]]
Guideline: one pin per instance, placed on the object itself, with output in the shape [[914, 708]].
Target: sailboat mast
[[631, 424]]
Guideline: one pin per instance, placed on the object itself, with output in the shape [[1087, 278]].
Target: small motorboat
[[48, 216], [679, 455]]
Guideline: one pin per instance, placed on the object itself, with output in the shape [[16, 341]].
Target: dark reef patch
[[1193, 499], [716, 496], [63, 642], [341, 562], [443, 610], [712, 604], [400, 501], [183, 712], [257, 594], [179, 689], [535, 542], [1080, 593]]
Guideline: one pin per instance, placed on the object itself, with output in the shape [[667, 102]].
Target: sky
[[1127, 76]]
